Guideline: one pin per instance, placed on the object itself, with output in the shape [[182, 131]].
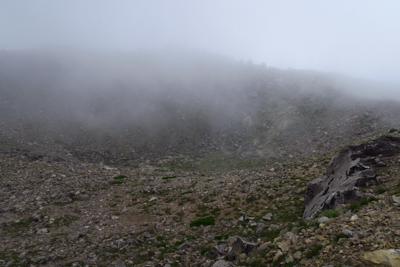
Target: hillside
[[64, 214], [197, 112], [183, 159]]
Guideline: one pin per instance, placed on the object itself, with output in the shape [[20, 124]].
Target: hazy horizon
[[358, 38]]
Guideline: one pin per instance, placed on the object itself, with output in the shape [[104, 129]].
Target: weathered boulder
[[350, 169], [239, 246], [389, 258]]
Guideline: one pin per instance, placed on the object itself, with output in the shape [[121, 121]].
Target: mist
[[128, 107], [129, 82], [358, 38]]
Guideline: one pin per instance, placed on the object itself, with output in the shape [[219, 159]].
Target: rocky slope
[[65, 214], [195, 112], [132, 160]]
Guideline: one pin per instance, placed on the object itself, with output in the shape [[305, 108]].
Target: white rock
[[353, 218]]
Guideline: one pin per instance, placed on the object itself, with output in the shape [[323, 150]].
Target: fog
[[129, 81], [357, 38], [124, 107]]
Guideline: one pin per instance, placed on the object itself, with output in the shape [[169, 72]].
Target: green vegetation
[[168, 177], [16, 226], [327, 213], [357, 205], [178, 243], [203, 221], [65, 220], [338, 236], [204, 251], [313, 251], [381, 190], [116, 182], [256, 263], [119, 177], [271, 235]]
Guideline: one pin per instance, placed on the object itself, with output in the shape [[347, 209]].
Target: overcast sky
[[358, 37]]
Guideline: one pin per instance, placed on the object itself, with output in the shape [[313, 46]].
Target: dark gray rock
[[260, 228], [239, 246], [212, 253], [37, 217], [185, 245], [350, 169]]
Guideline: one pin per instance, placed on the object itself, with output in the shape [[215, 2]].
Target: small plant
[[357, 205], [395, 192], [181, 214], [178, 243], [256, 263], [168, 177], [119, 177], [313, 251], [327, 213], [271, 235], [381, 190], [216, 211], [338, 236], [393, 130], [116, 182], [203, 221], [167, 211]]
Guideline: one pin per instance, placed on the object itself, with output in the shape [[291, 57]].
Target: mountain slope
[[188, 109]]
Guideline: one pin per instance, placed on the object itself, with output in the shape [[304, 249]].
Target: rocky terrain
[[127, 160], [63, 214]]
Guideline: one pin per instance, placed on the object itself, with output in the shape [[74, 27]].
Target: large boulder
[[389, 258], [347, 171]]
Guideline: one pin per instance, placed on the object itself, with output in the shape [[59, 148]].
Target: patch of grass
[[65, 220], [178, 243], [169, 177], [119, 177], [271, 235], [288, 217], [338, 236], [116, 182], [204, 251], [327, 213], [181, 214], [395, 192], [16, 227], [167, 211], [203, 221], [381, 190], [313, 251], [220, 237], [357, 205], [216, 212], [256, 263]]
